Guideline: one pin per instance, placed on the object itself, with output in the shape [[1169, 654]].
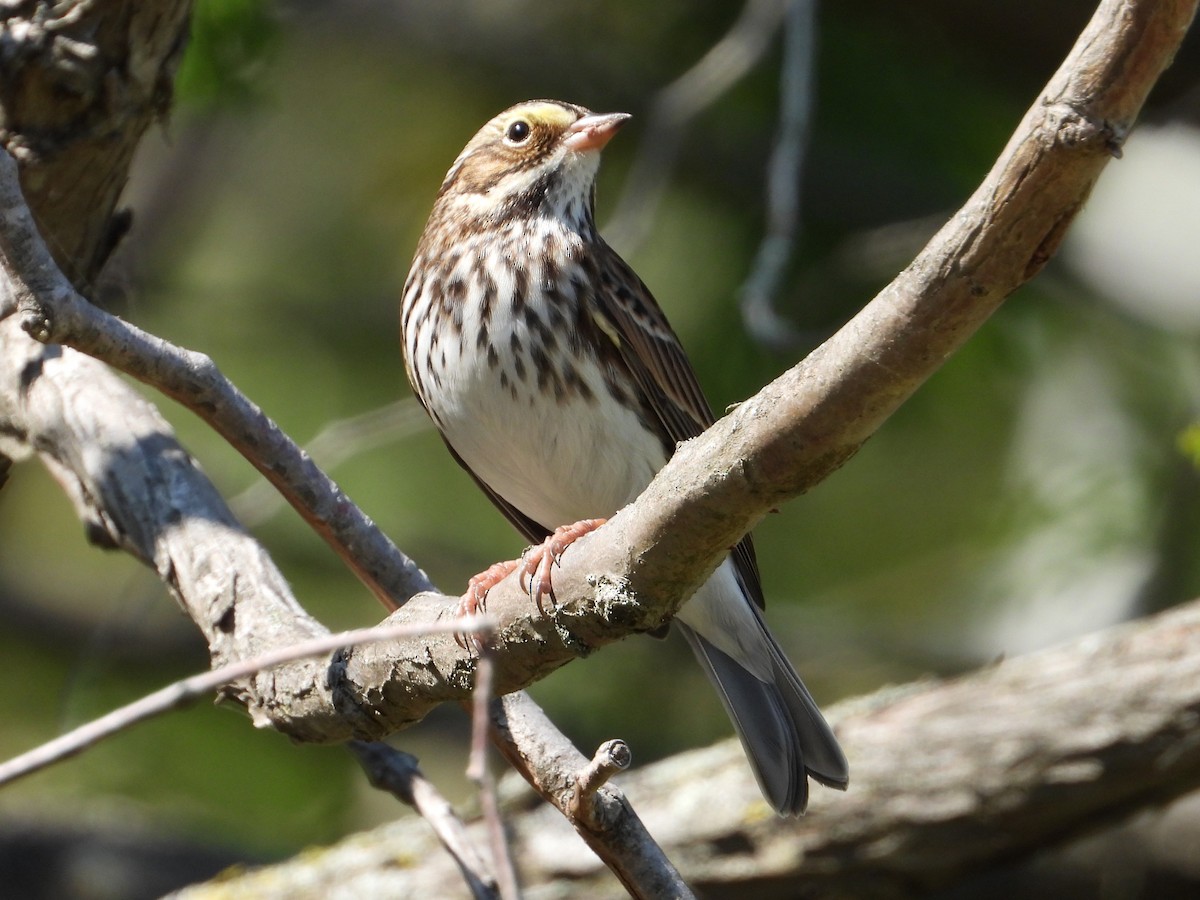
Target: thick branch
[[183, 693], [802, 427], [136, 488], [55, 313], [952, 777]]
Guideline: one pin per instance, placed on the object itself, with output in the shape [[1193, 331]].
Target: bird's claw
[[540, 559], [477, 590], [536, 563]]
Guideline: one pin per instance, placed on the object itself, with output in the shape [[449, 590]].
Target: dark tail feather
[[784, 734]]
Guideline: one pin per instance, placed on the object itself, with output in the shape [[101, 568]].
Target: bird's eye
[[518, 132]]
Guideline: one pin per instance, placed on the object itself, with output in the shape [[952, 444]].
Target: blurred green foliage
[[274, 228], [231, 44], [1189, 443]]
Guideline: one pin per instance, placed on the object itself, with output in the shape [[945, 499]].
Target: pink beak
[[593, 132]]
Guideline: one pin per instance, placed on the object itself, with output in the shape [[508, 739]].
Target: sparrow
[[559, 386]]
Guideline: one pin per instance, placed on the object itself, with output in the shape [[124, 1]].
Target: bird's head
[[539, 156]]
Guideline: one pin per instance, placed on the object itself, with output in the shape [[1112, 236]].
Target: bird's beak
[[593, 132]]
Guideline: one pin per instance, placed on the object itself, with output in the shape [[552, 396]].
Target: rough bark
[[136, 488], [79, 85]]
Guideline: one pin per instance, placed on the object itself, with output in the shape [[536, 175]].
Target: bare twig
[[610, 758], [480, 774], [725, 63], [189, 690], [397, 772], [784, 173], [477, 767], [550, 763]]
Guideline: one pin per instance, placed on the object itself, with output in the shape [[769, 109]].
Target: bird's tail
[[783, 732]]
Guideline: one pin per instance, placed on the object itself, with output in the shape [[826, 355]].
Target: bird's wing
[[631, 318]]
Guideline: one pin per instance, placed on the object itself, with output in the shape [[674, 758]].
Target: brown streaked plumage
[[558, 384]]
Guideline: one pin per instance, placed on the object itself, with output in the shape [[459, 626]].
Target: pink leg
[[540, 558], [538, 561], [477, 589], [479, 585]]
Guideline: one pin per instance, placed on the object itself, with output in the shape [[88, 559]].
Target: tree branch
[[605, 819], [397, 772], [80, 82], [53, 312]]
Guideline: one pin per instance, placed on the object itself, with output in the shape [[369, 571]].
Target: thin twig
[[610, 758], [551, 764], [399, 774], [480, 774], [477, 766], [725, 63], [784, 173], [189, 690]]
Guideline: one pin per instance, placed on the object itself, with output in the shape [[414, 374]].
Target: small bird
[[557, 383]]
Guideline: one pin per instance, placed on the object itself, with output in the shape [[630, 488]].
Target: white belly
[[555, 461]]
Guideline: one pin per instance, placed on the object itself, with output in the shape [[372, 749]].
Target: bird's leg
[[541, 557]]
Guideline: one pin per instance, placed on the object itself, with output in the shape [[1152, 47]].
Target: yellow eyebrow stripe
[[545, 113]]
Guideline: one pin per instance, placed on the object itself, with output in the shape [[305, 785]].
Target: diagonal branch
[[397, 772], [53, 312], [604, 818]]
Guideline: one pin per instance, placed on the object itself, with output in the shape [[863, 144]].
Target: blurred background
[[1042, 485]]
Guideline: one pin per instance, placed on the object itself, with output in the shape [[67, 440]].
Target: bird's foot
[[536, 563], [540, 558], [477, 590]]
